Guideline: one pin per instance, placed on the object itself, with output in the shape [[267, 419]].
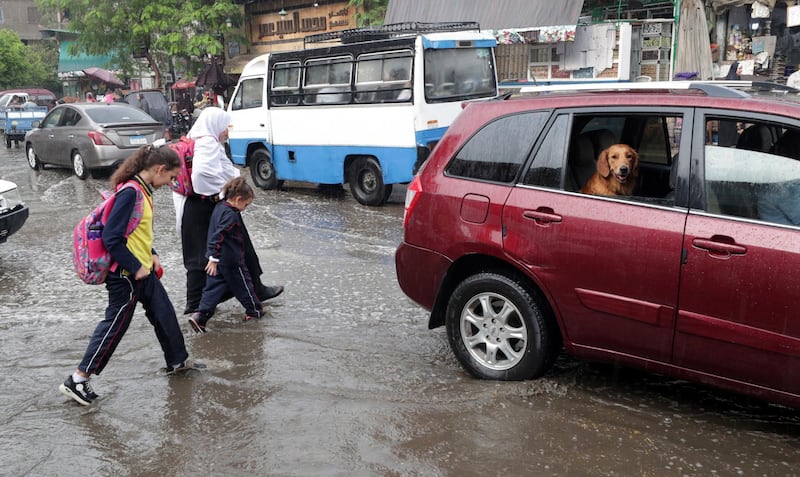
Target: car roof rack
[[384, 32], [716, 89]]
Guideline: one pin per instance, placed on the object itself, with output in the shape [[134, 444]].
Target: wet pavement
[[341, 378]]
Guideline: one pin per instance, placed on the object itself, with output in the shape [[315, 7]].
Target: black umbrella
[[213, 75]]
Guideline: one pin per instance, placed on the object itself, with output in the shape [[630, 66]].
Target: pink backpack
[[90, 257], [183, 181]]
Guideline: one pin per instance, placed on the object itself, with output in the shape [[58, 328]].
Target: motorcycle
[[181, 123]]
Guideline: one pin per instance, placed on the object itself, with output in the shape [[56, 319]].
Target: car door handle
[[719, 245], [542, 215], [51, 136]]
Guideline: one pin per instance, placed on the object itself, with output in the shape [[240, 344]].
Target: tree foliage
[[23, 66], [157, 30], [369, 12]]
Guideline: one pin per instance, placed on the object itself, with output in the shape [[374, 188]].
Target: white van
[[366, 110]]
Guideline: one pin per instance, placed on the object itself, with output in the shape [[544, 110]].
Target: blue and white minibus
[[365, 111]]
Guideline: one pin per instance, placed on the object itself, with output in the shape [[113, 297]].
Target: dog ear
[[635, 161], [602, 164]]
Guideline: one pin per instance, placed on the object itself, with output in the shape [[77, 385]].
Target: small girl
[[227, 267], [134, 277]]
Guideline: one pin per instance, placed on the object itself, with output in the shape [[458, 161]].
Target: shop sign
[[793, 16], [301, 23]]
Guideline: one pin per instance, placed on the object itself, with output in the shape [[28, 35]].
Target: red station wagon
[[695, 274]]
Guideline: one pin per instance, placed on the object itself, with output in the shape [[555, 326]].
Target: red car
[[694, 274]]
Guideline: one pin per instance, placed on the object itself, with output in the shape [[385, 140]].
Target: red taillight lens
[[412, 196], [100, 139]]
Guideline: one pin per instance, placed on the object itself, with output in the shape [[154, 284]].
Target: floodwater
[[342, 378]]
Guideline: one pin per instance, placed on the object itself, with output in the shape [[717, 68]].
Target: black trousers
[[194, 236]]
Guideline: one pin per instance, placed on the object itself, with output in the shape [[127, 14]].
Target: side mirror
[[35, 124]]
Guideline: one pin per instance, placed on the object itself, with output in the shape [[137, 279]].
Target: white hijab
[[211, 167]]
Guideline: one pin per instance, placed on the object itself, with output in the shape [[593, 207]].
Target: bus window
[[456, 74], [285, 87], [329, 80], [384, 77], [249, 94]]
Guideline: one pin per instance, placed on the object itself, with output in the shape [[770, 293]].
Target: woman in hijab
[[211, 170]]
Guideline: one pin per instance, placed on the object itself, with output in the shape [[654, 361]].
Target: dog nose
[[623, 170]]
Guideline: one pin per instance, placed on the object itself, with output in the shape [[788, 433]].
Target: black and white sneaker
[[183, 368], [81, 392]]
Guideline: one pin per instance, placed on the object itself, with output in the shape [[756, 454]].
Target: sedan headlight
[[10, 200]]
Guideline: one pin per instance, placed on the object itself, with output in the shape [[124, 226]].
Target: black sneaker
[[183, 368], [268, 293], [81, 392], [198, 322]]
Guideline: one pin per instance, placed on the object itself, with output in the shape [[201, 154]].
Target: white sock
[[77, 378]]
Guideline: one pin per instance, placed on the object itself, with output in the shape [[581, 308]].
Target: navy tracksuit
[[227, 237]]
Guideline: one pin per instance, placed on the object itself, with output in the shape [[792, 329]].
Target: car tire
[[497, 329], [33, 159], [366, 182], [78, 166], [263, 171]]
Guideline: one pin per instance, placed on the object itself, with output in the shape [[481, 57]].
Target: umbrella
[[183, 84], [694, 46], [213, 75], [103, 75]]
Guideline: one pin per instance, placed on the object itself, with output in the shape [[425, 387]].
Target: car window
[[496, 152], [548, 164], [70, 117], [53, 118], [758, 177], [655, 138], [110, 114], [249, 94]]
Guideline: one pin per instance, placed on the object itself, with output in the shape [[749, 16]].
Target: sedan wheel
[[78, 166], [497, 329], [33, 159]]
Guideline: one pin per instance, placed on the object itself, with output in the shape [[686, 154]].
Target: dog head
[[619, 160]]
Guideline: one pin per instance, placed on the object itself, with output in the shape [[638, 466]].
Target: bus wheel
[[366, 181], [262, 170]]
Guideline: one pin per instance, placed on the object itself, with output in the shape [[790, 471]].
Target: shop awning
[[69, 63], [235, 65], [502, 14]]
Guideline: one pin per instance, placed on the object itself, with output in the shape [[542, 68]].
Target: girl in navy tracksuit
[[137, 268], [227, 264]]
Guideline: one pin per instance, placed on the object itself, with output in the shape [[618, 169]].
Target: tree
[[369, 12], [157, 30], [22, 65]]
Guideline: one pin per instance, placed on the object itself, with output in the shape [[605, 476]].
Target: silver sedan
[[88, 137]]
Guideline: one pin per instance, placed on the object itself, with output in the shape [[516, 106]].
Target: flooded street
[[342, 377]]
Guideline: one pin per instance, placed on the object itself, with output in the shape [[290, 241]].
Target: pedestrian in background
[[143, 104], [134, 277], [211, 170], [226, 269]]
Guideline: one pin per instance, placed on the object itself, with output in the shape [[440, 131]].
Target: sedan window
[[53, 118], [122, 114]]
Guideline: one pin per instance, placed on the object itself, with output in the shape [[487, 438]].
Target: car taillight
[[411, 198], [100, 139]]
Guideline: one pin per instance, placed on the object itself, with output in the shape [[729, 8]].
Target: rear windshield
[[118, 114]]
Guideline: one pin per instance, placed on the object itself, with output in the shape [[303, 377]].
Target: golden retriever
[[617, 168]]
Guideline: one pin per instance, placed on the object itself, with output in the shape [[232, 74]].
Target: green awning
[[67, 62]]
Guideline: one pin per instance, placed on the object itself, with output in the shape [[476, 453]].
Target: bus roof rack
[[383, 32], [716, 89]]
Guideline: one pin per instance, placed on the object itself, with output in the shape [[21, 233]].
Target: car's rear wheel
[[263, 171], [78, 166], [498, 330], [366, 182], [33, 159]]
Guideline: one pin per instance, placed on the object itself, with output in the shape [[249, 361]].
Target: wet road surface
[[341, 378]]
